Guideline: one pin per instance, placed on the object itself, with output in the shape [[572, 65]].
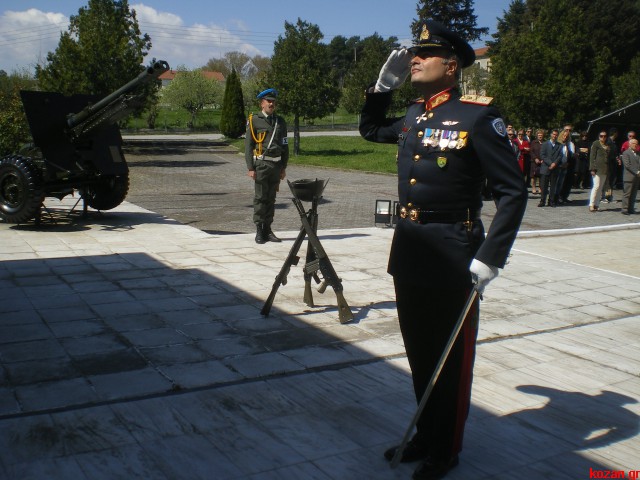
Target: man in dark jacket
[[447, 145], [551, 156]]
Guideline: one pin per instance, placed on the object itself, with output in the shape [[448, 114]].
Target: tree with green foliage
[[344, 55], [626, 87], [555, 61], [250, 89], [14, 129], [373, 53], [474, 80], [233, 120], [244, 65], [102, 49], [17, 80], [191, 90], [455, 14], [301, 72]]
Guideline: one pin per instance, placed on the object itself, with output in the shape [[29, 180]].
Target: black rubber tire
[[109, 193], [21, 193]]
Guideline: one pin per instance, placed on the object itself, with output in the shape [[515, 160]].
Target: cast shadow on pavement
[[593, 421], [64, 218], [124, 331]]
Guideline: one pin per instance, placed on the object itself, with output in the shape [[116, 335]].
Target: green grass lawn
[[348, 153], [209, 119]]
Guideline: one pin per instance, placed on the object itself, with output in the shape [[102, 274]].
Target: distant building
[[169, 75], [474, 79], [482, 58]]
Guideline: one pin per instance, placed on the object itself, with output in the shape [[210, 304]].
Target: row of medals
[[435, 137]]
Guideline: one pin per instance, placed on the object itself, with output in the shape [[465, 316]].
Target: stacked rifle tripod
[[317, 259]]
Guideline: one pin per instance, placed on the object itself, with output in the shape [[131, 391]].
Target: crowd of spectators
[[555, 164]]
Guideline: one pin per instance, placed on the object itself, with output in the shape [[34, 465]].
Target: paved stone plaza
[[132, 345]]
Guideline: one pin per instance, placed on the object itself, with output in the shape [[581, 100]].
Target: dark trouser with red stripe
[[427, 318]]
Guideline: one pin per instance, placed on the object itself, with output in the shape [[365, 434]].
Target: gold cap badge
[[424, 35]]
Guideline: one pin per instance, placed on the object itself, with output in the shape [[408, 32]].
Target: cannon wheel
[[21, 193], [108, 193]]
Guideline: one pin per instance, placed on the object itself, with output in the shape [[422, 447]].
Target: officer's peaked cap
[[268, 94], [436, 35]]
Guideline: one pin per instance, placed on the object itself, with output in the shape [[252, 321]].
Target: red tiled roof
[[481, 52]]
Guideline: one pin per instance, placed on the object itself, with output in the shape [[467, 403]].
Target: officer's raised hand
[[395, 71]]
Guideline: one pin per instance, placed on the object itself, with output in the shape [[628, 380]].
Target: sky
[[190, 32]]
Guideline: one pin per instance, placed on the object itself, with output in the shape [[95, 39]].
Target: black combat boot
[[269, 235], [260, 236]]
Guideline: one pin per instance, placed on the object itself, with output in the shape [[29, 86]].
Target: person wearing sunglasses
[[448, 144]]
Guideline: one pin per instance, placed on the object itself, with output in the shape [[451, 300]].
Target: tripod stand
[[316, 259]]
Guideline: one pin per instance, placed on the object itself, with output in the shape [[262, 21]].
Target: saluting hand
[[394, 72]]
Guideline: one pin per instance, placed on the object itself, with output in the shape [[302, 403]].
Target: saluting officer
[[447, 144], [266, 154]]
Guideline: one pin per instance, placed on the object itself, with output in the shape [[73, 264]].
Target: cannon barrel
[[150, 73]]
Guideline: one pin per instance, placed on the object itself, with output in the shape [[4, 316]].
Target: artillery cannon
[[71, 151]]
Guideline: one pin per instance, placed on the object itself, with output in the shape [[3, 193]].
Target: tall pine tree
[[455, 14], [232, 120]]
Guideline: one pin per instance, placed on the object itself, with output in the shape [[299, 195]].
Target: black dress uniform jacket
[[447, 145]]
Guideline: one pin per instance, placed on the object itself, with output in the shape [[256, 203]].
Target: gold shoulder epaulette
[[476, 99]]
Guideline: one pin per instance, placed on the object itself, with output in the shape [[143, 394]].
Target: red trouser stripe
[[469, 334]]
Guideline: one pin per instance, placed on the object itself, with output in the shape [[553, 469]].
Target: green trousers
[[266, 187]]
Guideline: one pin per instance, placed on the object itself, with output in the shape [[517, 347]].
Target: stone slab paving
[[132, 346]]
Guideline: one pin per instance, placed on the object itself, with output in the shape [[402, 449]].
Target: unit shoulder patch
[[476, 99]]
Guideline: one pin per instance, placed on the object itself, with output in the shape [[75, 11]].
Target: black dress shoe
[[411, 453], [433, 469], [541, 204]]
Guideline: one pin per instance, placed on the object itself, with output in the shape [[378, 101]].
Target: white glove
[[394, 72], [482, 274]]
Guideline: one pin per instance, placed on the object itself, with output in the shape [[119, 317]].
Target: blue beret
[[268, 94], [436, 35]]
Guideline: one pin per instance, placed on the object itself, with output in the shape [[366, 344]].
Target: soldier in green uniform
[[266, 154]]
